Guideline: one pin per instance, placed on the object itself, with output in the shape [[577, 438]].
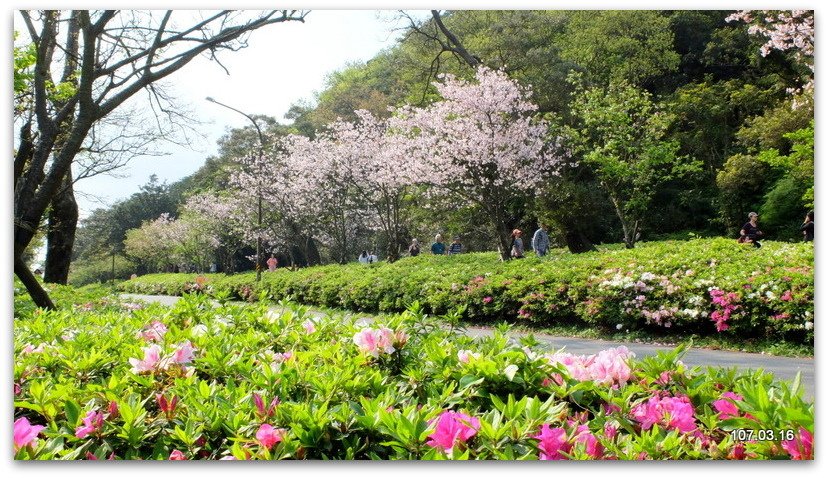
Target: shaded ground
[[783, 368]]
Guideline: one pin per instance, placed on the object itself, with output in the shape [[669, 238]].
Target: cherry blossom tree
[[787, 30], [167, 242], [378, 172], [480, 144], [317, 193], [224, 216]]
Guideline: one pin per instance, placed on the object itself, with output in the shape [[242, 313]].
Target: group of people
[[438, 247], [366, 257], [540, 244], [750, 233]]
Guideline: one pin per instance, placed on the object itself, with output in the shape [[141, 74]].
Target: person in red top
[[272, 263]]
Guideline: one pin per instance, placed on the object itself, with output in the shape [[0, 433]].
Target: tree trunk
[[504, 238], [60, 238], [313, 256], [33, 287]]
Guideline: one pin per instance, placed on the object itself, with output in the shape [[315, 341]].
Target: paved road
[[783, 368]]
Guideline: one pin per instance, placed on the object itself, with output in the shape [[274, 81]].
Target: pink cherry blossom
[[92, 423], [25, 433], [452, 428], [552, 443], [269, 436]]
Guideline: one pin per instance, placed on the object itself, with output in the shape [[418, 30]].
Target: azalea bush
[[222, 381], [700, 286]]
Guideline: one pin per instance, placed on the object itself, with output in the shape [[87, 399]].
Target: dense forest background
[[738, 125]]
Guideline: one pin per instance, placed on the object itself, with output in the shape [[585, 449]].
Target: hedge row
[[701, 286]]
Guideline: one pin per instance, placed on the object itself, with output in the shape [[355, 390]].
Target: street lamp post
[[258, 187]]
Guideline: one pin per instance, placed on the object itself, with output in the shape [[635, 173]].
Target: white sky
[[284, 63]]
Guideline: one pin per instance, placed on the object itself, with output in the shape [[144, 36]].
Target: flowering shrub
[[259, 386], [701, 286]]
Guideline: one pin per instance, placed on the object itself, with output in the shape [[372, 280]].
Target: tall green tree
[[621, 135]]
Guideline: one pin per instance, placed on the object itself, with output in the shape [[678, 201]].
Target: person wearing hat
[[517, 244], [750, 232], [455, 247]]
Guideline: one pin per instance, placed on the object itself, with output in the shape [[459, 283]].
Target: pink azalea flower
[[726, 407], [92, 422], [152, 355], [25, 433], [452, 427], [372, 342], [177, 455], [786, 296], [610, 431], [269, 436], [154, 332], [184, 353], [309, 326], [592, 446], [552, 443], [464, 356], [801, 447], [487, 300], [17, 389], [610, 366], [669, 412]]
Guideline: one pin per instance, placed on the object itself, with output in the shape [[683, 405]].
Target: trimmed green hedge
[[698, 286]]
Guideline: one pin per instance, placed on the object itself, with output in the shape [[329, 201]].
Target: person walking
[[455, 247], [807, 227], [517, 244], [540, 241], [414, 248], [437, 247], [750, 232]]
